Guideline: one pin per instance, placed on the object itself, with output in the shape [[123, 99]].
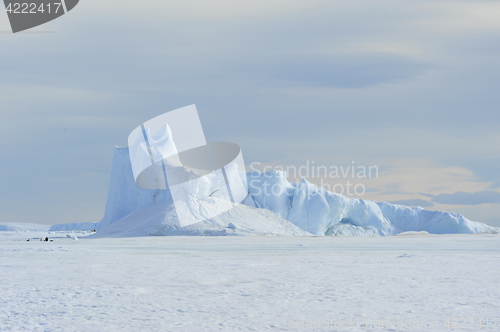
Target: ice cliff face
[[124, 196], [308, 207]]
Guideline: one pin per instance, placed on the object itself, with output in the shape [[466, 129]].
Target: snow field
[[245, 283]]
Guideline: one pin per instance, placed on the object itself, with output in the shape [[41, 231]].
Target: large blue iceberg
[[290, 209]]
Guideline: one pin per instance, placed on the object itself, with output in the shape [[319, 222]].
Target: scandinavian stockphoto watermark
[[339, 179], [169, 152], [25, 15]]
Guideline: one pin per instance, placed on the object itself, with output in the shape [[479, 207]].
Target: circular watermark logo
[[24, 15]]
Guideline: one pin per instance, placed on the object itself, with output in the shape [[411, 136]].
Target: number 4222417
[[32, 8]]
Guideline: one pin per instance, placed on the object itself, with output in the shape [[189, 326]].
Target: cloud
[[495, 184], [461, 17], [463, 198], [414, 202], [356, 71], [284, 79]]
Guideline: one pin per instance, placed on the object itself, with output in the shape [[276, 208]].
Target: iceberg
[[273, 206]]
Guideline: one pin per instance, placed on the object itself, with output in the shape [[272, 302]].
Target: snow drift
[[287, 209]]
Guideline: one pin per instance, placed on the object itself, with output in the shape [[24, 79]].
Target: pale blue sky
[[409, 86]]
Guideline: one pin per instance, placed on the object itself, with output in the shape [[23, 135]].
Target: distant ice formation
[[321, 212]]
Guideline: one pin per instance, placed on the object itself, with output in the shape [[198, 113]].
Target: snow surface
[[309, 207], [245, 283]]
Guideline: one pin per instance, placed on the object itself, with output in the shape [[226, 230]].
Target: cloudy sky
[[408, 86]]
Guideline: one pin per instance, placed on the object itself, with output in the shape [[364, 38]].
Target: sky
[[410, 87]]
